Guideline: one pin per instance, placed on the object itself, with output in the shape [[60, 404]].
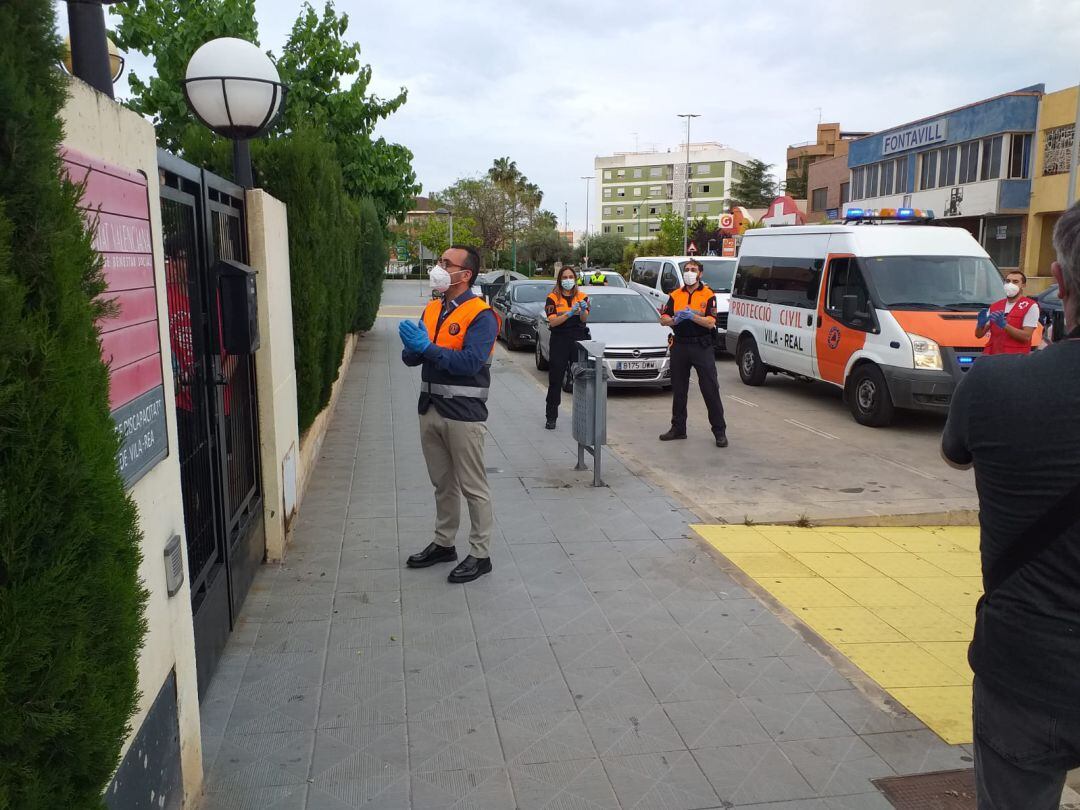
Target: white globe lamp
[[235, 90]]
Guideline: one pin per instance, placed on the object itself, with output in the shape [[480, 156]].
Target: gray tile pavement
[[609, 661]]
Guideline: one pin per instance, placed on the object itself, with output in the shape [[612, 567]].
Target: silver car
[[635, 344]]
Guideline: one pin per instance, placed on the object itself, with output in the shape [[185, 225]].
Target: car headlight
[[517, 316], [927, 353]]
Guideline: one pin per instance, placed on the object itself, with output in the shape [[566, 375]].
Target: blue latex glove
[[999, 319], [684, 315], [983, 318], [414, 338]]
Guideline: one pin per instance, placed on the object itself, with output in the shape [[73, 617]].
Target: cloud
[[554, 84]]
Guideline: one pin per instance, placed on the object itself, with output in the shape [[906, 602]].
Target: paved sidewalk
[[609, 660]]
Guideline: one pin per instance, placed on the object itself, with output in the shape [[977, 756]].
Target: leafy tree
[[545, 246], [796, 186], [546, 220], [71, 604], [373, 257], [435, 235], [670, 235], [314, 62], [605, 250], [755, 186], [480, 200], [702, 232]]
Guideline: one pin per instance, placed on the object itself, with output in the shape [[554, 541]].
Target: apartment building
[[635, 189]]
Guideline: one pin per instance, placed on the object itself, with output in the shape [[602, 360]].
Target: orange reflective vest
[[562, 304], [450, 334], [698, 300]]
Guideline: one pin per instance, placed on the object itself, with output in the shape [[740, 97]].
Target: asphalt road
[[795, 449]]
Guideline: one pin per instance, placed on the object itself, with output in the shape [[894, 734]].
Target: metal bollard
[[590, 405]]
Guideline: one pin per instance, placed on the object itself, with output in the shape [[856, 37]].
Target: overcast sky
[[553, 84]]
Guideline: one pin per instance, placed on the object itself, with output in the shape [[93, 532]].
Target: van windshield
[[718, 273], [933, 282]]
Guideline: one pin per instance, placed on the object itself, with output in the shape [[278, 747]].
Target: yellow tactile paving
[[898, 602], [946, 709], [806, 592]]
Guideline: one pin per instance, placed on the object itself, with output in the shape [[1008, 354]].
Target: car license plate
[[635, 365]]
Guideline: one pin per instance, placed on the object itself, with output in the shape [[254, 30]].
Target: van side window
[[752, 278], [646, 273], [845, 278], [795, 282], [669, 281]]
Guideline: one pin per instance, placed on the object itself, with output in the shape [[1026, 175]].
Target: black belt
[[699, 340]]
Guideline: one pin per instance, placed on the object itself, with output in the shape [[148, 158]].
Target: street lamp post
[[448, 212], [90, 58], [235, 90], [686, 180], [587, 178]]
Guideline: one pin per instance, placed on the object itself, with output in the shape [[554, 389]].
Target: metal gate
[[216, 403]]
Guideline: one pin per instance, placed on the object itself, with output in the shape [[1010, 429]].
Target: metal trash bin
[[590, 405]]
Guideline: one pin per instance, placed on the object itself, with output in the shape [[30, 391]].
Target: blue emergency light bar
[[887, 215], [965, 360]]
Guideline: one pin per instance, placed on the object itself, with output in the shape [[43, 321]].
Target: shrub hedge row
[[337, 255], [71, 605]]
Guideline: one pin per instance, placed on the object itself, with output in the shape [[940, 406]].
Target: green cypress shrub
[[302, 171], [71, 605], [372, 258]]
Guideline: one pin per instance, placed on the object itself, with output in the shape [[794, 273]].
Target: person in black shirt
[[690, 311], [567, 311], [1026, 649]]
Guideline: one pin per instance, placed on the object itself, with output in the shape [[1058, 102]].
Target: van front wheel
[[868, 397], [751, 369]]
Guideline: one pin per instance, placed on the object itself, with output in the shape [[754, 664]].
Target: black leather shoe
[[434, 553], [470, 568], [549, 425], [721, 440], [672, 435]]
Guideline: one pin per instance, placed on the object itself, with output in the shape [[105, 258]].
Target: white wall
[[275, 366], [97, 126]]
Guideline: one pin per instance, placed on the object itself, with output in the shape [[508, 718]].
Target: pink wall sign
[[117, 206]]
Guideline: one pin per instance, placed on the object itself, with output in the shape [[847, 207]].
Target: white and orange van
[[884, 309]]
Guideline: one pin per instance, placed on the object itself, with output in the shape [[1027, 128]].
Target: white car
[[635, 344]]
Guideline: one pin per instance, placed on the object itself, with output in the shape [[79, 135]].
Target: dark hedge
[[71, 605]]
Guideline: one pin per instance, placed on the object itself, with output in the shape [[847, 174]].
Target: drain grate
[[943, 790]]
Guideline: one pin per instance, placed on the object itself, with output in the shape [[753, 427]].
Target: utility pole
[[686, 180], [587, 178], [1071, 198]]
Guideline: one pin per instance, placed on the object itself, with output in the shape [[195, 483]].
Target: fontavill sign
[[914, 137]]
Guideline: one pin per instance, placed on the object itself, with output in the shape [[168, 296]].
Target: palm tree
[[505, 175]]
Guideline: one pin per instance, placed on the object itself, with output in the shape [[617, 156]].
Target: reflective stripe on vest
[[1001, 342], [451, 391], [562, 307], [681, 299], [450, 334]]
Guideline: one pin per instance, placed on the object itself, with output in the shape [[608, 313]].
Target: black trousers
[[1021, 753], [563, 349], [700, 358]]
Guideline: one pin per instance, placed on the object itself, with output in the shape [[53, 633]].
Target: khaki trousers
[[454, 452]]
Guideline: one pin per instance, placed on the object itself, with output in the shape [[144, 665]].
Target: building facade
[[635, 189], [970, 166], [831, 142], [1050, 179], [827, 188]]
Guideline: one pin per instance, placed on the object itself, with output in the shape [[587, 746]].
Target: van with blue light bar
[[883, 306]]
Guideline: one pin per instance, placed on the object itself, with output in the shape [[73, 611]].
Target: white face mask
[[439, 279], [690, 277], [1012, 290], [567, 284]]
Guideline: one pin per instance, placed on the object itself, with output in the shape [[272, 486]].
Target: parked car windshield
[[933, 282], [530, 293], [1051, 295], [719, 274], [621, 309]]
